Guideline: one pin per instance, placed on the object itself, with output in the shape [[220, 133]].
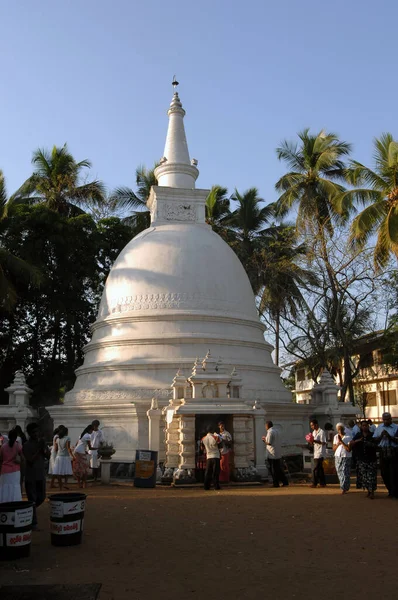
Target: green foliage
[[314, 184], [50, 323], [56, 182], [248, 230], [282, 277], [218, 210], [381, 195], [136, 202], [12, 268]]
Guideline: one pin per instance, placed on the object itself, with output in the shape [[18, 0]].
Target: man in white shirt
[[274, 455], [349, 427], [386, 435], [319, 443], [97, 437], [211, 442]]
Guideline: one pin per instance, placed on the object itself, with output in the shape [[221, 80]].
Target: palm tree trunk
[[348, 377], [277, 336]]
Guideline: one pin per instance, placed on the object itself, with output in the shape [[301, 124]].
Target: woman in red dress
[[226, 444]]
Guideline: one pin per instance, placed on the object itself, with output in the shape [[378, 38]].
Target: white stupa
[[175, 291]]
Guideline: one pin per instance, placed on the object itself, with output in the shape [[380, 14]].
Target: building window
[[389, 397], [370, 398], [301, 375], [366, 360], [235, 391]]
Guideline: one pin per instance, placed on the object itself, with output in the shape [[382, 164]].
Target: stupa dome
[[178, 267]]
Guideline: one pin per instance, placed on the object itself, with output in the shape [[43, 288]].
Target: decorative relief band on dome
[[171, 211], [106, 396], [100, 396], [166, 301]]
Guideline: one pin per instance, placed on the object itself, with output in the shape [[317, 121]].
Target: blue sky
[[96, 74]]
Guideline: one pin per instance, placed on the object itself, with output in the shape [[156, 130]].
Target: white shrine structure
[[18, 410], [176, 291]]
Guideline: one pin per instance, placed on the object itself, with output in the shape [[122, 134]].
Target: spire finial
[[174, 83], [176, 168]]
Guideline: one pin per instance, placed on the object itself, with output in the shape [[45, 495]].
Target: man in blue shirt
[[386, 435]]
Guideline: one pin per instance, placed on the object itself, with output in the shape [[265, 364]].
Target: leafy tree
[[380, 217], [12, 268], [49, 326], [113, 235], [325, 331], [56, 183]]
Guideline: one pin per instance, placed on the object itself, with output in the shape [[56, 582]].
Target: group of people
[[359, 444], [66, 461], [23, 461], [217, 445]]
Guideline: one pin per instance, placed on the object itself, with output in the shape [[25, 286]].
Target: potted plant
[[106, 450]]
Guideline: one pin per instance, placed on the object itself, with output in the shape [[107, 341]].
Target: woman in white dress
[[10, 460], [53, 457], [81, 462], [63, 460]]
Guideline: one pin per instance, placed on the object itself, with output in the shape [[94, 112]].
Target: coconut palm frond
[[316, 181], [125, 197], [366, 222]]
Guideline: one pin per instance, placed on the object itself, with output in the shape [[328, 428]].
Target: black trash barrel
[[15, 529], [67, 518], [146, 462]]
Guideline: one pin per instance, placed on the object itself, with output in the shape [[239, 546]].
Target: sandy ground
[[237, 543]]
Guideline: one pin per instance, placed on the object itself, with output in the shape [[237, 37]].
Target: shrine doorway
[[202, 422]]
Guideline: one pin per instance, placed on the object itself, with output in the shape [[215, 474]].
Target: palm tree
[[12, 268], [315, 182], [56, 182], [315, 187], [248, 224], [126, 198], [218, 210], [381, 215], [282, 277]]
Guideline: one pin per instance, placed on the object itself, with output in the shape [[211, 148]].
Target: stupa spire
[[176, 169]]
